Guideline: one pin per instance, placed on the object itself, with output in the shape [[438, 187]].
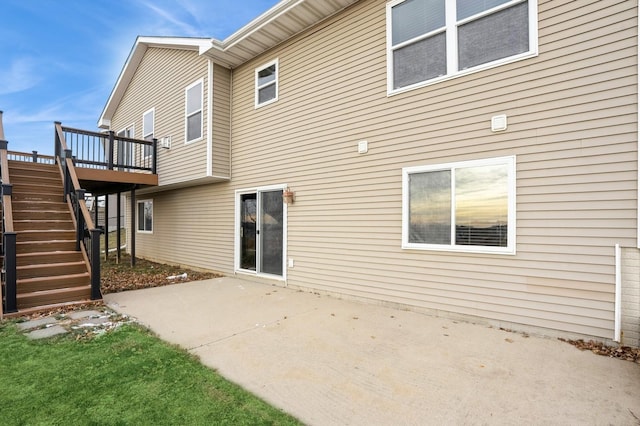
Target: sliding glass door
[[261, 231]]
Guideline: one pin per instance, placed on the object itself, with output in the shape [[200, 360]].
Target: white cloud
[[171, 23], [21, 75]]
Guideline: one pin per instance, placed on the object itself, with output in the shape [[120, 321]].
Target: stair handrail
[[74, 194], [8, 232]]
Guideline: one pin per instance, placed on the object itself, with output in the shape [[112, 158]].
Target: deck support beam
[[133, 226], [118, 226], [106, 227]]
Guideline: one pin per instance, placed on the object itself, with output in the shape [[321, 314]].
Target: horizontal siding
[[572, 115], [572, 123], [203, 213], [221, 161], [160, 82]]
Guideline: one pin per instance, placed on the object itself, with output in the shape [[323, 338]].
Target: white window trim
[[510, 249], [143, 231], [201, 111], [153, 128], [133, 130], [238, 241], [452, 60], [275, 62]]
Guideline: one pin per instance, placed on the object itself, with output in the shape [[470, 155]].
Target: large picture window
[[430, 40], [267, 84], [193, 112], [145, 216], [466, 206]]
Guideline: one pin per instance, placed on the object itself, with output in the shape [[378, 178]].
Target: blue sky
[[60, 59]]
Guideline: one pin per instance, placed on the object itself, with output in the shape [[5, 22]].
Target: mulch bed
[[146, 274], [621, 352], [122, 277]]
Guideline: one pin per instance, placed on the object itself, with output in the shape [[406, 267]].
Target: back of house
[[475, 160]]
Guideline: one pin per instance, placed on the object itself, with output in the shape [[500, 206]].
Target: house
[[475, 160]]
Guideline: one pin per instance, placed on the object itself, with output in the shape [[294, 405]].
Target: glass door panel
[[248, 228], [271, 232]]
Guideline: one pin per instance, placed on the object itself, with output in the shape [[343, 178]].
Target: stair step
[[40, 187], [21, 205], [17, 177], [50, 270], [33, 167], [42, 308], [42, 258], [50, 297], [29, 285], [32, 225], [45, 246], [37, 196], [45, 235], [26, 215]]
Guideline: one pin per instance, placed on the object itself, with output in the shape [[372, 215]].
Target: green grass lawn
[[126, 376]]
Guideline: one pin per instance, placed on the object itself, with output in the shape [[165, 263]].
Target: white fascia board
[[267, 17]]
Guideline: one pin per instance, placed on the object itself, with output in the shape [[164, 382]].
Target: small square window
[[145, 216], [266, 84]]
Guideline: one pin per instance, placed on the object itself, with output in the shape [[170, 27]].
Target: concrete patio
[[336, 362]]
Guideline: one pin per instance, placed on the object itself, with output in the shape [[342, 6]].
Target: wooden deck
[[101, 182]]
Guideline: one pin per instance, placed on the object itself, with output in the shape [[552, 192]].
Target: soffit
[[280, 23]]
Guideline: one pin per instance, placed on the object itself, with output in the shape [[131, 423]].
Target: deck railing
[[8, 233], [87, 234], [33, 156], [109, 152]]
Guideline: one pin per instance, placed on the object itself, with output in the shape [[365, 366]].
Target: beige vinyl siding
[[192, 226], [221, 161], [160, 82], [572, 126]]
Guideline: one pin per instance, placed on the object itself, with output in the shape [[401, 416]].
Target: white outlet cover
[[363, 147]]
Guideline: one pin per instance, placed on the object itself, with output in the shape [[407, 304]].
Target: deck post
[[106, 227], [11, 300], [133, 227], [95, 264], [95, 212], [118, 224], [154, 159], [34, 155], [110, 159], [79, 218], [67, 178]]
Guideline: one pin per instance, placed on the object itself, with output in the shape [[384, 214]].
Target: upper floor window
[[267, 84], [193, 111], [430, 40], [465, 206], [148, 124]]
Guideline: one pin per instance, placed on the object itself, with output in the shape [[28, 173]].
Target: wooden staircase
[[49, 269]]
